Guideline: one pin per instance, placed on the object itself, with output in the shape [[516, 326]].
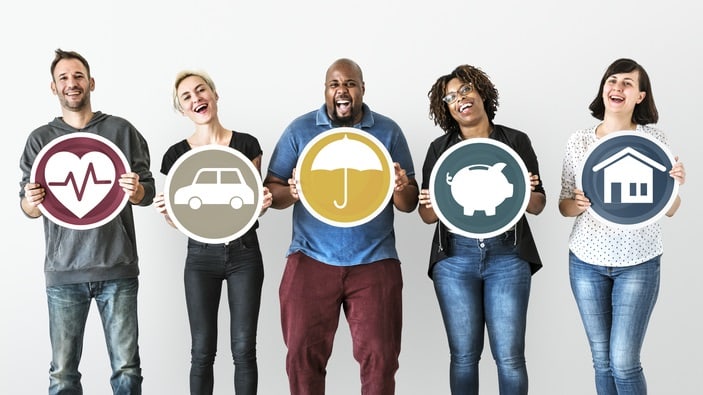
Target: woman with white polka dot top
[[614, 271]]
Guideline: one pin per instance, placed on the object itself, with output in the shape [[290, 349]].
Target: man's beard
[[342, 121], [73, 105]]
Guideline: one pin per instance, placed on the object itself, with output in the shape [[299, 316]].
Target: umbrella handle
[[344, 204]]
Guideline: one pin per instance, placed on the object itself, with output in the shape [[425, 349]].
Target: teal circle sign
[[479, 188]]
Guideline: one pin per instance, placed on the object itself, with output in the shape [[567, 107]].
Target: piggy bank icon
[[480, 187]]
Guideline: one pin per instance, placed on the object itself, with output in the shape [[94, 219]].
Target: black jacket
[[518, 141]]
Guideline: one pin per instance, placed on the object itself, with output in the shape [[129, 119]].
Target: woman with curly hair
[[480, 282]]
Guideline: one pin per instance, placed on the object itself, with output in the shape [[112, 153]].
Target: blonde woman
[[238, 263]]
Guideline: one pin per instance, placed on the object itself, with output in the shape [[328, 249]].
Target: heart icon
[[80, 184]]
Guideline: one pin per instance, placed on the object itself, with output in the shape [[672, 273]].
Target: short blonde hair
[[185, 74]]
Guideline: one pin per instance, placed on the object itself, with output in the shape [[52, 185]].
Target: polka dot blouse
[[594, 241]]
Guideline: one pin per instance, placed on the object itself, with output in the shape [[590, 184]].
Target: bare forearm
[[536, 203], [569, 208], [406, 199], [674, 207], [281, 194], [427, 214]]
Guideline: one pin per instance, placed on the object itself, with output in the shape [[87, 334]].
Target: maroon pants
[[311, 296]]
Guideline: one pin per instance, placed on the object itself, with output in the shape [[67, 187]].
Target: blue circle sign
[[626, 177], [479, 188]]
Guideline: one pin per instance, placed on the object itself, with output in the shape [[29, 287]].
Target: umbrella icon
[[346, 154]]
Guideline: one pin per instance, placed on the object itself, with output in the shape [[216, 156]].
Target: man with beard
[[99, 263], [328, 268]]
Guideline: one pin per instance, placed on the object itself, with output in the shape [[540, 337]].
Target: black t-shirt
[[242, 142]]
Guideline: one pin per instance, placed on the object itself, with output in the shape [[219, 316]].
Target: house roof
[[631, 152]]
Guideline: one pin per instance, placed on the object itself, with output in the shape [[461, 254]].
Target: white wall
[[268, 59]]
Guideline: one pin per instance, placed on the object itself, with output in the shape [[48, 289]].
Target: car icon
[[215, 186]]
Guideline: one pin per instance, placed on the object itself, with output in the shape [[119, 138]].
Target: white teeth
[[464, 107]]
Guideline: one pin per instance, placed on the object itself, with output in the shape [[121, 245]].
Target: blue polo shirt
[[338, 246]]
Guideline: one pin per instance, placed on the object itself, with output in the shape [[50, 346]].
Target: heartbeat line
[[89, 174]]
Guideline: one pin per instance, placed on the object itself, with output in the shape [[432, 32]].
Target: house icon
[[628, 177]]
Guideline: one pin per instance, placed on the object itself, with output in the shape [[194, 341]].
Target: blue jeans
[[207, 266], [68, 312], [484, 283], [615, 304]]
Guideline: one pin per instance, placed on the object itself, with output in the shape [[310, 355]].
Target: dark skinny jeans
[[240, 264]]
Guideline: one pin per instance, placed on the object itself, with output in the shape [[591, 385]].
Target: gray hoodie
[[107, 252]]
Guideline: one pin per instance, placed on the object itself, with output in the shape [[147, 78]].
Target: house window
[[643, 188], [633, 189]]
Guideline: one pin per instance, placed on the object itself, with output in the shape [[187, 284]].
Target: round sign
[[345, 177], [479, 188], [626, 177], [213, 194], [80, 174]]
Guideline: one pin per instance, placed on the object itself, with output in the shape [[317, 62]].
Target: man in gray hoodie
[[88, 263]]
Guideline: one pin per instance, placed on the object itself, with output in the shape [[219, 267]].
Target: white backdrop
[[268, 59]]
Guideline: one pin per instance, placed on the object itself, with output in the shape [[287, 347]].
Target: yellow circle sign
[[345, 177]]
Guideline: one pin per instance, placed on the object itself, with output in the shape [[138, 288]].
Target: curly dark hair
[[439, 110], [646, 111]]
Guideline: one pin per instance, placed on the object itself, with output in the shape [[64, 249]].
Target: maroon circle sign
[[80, 173]]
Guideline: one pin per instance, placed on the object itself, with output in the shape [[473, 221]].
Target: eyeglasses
[[464, 90]]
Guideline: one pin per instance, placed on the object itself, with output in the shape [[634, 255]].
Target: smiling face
[[344, 92], [621, 93], [72, 84], [467, 108], [197, 100]]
